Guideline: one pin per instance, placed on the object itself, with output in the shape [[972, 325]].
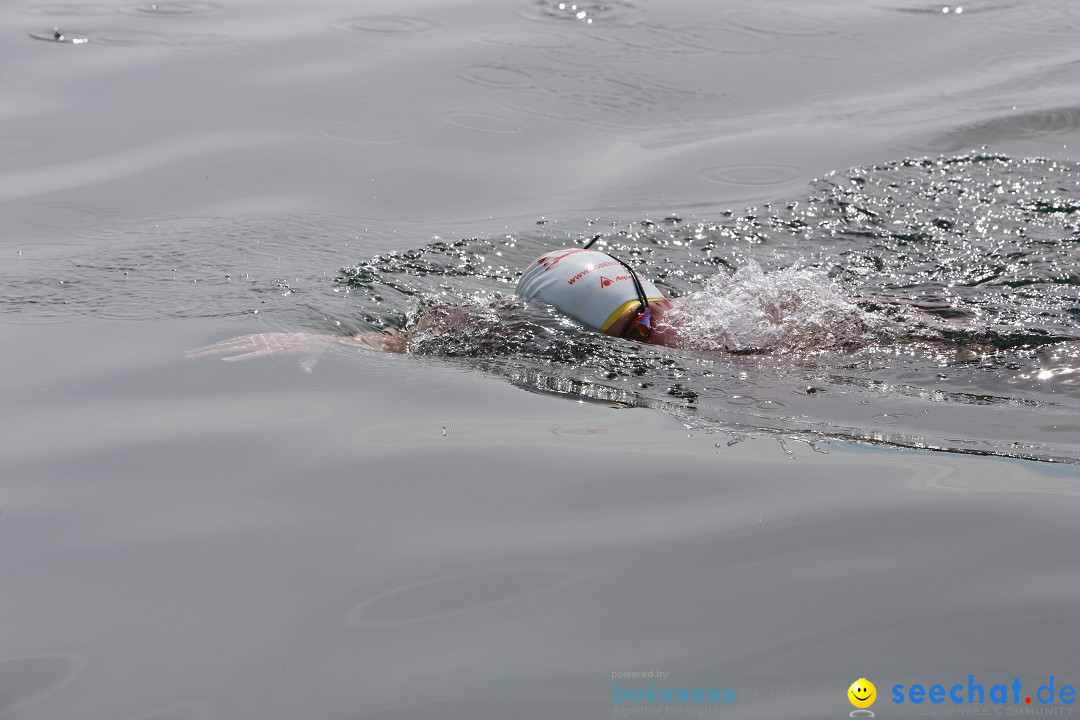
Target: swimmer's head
[[590, 286]]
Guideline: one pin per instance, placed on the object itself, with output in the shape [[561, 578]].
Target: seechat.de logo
[[862, 695]]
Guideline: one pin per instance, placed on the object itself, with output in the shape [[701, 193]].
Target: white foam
[[783, 311]]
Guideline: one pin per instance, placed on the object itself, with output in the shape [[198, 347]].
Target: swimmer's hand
[[308, 345]]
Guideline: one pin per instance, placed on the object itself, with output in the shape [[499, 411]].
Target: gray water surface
[[496, 535]]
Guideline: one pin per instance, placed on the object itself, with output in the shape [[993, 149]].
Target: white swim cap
[[589, 286]]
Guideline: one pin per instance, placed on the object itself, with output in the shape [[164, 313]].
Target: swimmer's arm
[[394, 341], [308, 345]]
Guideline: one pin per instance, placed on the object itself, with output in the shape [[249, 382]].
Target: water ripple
[[191, 710], [62, 9], [947, 11], [752, 174], [480, 122], [1049, 18], [587, 12], [684, 40], [71, 37], [538, 39], [28, 678], [208, 44], [497, 76], [176, 8], [362, 132], [125, 37], [1039, 123], [616, 99], [784, 21], [452, 596], [391, 25]]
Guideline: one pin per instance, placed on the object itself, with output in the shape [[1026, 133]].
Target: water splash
[[790, 310]]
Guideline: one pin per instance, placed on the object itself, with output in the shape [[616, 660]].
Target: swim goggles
[[640, 327]]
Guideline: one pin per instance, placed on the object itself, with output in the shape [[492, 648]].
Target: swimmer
[[599, 290]]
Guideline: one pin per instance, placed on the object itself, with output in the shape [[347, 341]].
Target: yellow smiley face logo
[[862, 693]]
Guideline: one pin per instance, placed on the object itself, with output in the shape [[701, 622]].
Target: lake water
[[478, 531]]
